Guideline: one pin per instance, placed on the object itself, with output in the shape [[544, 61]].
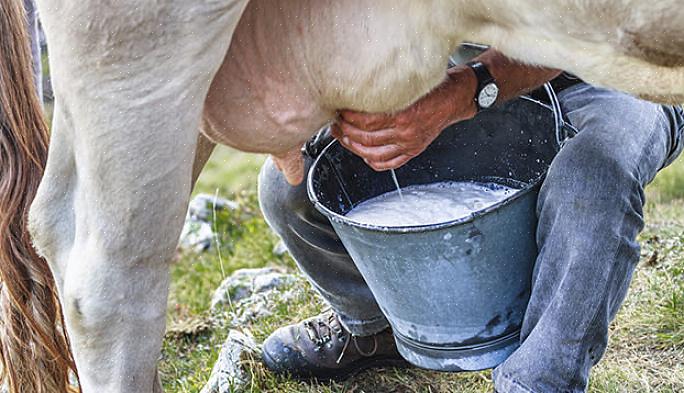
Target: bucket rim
[[530, 187]]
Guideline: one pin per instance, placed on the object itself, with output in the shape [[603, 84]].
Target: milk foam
[[429, 203]]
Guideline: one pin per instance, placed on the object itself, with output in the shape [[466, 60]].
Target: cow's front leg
[[130, 81], [107, 218]]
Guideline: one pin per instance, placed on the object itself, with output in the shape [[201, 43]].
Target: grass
[[229, 171], [646, 351]]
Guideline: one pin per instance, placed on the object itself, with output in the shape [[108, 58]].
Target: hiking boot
[[320, 347]]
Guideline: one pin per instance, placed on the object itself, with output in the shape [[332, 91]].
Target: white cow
[[144, 89]]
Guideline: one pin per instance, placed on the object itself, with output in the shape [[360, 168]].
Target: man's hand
[[388, 141]]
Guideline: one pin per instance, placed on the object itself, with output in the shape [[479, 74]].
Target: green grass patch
[[669, 184], [229, 171]]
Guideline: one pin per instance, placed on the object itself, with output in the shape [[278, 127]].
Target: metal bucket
[[455, 292]]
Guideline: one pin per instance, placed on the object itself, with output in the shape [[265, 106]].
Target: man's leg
[[590, 212], [318, 251], [333, 345]]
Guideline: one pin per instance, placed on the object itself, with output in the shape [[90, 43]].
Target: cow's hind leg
[[130, 82]]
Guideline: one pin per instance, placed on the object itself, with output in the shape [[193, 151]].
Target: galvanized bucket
[[454, 292]]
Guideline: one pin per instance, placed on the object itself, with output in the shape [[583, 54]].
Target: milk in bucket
[[427, 204]]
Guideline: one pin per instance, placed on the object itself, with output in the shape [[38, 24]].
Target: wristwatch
[[487, 90]]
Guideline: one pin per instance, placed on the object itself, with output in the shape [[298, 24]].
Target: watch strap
[[484, 77]]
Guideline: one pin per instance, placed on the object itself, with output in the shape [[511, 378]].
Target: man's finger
[[376, 153], [372, 153], [367, 121], [336, 131], [393, 163], [368, 138]]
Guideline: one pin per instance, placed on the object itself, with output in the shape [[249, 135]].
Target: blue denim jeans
[[590, 212]]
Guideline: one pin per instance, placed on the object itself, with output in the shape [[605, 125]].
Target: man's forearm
[[512, 77]]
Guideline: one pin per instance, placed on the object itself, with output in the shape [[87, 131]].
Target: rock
[[280, 249], [258, 306], [255, 306], [196, 235], [268, 281], [237, 286], [248, 282], [253, 294], [201, 207], [227, 376], [198, 232]]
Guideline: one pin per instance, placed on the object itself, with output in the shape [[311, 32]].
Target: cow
[[143, 92]]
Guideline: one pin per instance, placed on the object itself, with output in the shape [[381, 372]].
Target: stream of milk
[[429, 203], [396, 184]]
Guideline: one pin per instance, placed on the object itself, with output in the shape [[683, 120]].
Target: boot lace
[[323, 330]]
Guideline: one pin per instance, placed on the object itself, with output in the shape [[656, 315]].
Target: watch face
[[488, 95]]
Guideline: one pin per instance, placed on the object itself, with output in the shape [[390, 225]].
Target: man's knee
[[618, 133], [591, 171], [278, 200]]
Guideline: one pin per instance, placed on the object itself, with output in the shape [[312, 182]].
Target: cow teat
[[291, 164]]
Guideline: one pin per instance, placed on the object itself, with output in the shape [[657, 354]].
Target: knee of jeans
[[591, 173], [271, 201], [279, 201]]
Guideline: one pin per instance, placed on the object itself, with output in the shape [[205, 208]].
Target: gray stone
[[198, 232], [255, 306], [280, 249], [202, 206], [247, 282], [228, 376], [196, 235], [259, 305], [269, 281], [255, 293]]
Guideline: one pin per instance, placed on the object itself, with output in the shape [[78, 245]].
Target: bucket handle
[[338, 178], [564, 130]]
